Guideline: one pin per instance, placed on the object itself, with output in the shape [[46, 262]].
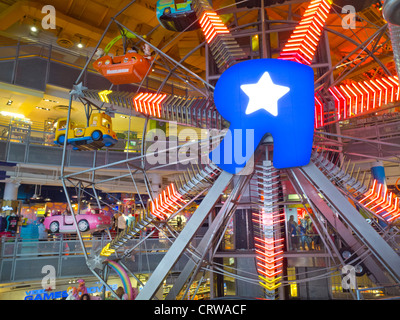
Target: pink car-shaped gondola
[[92, 221]]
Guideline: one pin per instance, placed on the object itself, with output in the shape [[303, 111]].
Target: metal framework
[[222, 50]]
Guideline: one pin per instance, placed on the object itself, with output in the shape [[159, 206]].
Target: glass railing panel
[[44, 155], [8, 52], [30, 50]]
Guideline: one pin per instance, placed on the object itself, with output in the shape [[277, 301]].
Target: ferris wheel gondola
[[131, 67]]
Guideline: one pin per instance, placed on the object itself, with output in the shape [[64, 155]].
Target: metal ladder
[[224, 47], [191, 186], [195, 111], [269, 242]]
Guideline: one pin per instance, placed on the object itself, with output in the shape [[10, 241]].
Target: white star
[[264, 95]]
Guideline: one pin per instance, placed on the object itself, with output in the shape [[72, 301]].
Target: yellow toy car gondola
[[98, 134]]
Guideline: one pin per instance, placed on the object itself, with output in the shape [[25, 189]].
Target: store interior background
[[39, 68]]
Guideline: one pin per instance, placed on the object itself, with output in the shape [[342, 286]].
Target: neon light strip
[[359, 97], [392, 86], [376, 196], [356, 99], [212, 25], [386, 89], [392, 210], [371, 192], [354, 85], [387, 204], [396, 208], [149, 103], [374, 92], [395, 80], [302, 44], [380, 92], [348, 107], [319, 111], [166, 203], [367, 94], [382, 199]]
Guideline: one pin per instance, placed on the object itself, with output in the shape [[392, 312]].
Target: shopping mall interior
[[110, 112]]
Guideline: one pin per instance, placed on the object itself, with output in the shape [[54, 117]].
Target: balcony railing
[[23, 259]]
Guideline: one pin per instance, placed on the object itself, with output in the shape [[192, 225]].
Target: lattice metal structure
[[223, 50]]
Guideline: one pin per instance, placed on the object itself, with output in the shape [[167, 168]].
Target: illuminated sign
[[303, 43], [211, 24], [266, 96], [42, 294], [381, 201], [149, 103], [167, 202], [358, 97]]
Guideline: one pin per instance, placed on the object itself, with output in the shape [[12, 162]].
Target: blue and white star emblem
[[264, 95]]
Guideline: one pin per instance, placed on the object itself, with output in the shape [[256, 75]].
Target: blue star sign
[[265, 96]]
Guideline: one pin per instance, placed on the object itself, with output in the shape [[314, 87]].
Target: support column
[[378, 172], [155, 183], [184, 238], [10, 202], [205, 244], [11, 191], [372, 239]]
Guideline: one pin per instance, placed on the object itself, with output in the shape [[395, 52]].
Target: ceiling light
[[80, 45], [49, 100], [33, 27], [41, 108], [12, 114], [9, 102]]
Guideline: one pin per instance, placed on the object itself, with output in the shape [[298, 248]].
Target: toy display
[[86, 223], [128, 68], [72, 294], [131, 67], [81, 288], [124, 278], [96, 135], [179, 15], [176, 16]]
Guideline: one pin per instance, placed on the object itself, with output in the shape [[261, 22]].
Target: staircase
[[168, 202]]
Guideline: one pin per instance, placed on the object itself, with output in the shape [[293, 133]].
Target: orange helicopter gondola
[[131, 67]]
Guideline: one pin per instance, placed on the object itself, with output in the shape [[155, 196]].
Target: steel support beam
[[344, 232], [184, 238], [205, 243], [377, 245]]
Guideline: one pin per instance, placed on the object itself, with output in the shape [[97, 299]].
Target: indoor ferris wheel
[[328, 185]]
